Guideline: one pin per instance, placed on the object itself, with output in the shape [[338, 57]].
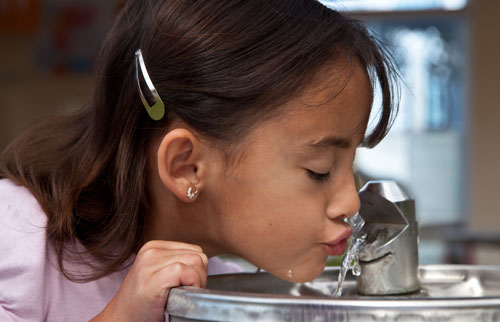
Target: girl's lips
[[337, 248]]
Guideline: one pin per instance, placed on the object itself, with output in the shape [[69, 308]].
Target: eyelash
[[319, 177]]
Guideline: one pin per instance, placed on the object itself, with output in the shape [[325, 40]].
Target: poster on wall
[[71, 33]]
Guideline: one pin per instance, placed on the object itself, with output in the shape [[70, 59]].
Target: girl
[[216, 127]]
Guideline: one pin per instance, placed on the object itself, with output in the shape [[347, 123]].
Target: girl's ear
[[180, 163]]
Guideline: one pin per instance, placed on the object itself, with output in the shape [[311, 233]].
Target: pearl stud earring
[[192, 192]]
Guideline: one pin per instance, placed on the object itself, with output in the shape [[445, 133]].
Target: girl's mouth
[[338, 246], [336, 249]]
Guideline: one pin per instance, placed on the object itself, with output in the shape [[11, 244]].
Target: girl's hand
[[159, 266]]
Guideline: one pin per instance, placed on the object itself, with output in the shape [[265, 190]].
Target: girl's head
[[265, 104]]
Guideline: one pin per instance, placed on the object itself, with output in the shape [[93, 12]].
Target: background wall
[[28, 94], [48, 48], [484, 122]]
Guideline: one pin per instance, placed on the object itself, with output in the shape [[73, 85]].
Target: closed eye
[[319, 177]]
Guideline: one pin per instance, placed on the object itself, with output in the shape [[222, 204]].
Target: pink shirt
[[31, 286]]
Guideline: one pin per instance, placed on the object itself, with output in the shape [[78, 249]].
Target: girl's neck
[[173, 220]]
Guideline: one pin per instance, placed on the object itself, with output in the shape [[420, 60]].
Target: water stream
[[351, 258]]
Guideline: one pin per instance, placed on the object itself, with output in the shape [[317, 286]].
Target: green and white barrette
[[157, 111]]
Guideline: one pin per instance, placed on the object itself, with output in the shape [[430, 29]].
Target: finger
[[177, 274], [158, 257], [188, 279], [168, 245], [192, 260]]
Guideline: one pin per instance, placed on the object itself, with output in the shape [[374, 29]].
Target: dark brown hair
[[220, 66]]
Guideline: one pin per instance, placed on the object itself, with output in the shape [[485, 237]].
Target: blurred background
[[443, 147]]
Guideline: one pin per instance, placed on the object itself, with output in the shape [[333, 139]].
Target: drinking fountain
[[389, 258], [391, 285]]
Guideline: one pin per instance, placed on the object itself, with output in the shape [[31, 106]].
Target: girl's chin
[[302, 274]]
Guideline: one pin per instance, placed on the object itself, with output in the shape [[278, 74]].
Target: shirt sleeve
[[23, 255], [217, 266]]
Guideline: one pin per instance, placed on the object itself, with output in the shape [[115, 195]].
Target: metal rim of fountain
[[223, 305]]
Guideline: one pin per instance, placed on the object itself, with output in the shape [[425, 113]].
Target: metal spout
[[389, 258]]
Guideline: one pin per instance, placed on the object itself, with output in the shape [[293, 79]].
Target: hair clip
[[157, 111]]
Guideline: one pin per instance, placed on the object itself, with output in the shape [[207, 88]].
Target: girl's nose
[[344, 199]]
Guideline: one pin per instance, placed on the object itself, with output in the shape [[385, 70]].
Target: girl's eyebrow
[[328, 142]]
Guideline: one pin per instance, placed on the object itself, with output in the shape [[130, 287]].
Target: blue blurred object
[[395, 5]]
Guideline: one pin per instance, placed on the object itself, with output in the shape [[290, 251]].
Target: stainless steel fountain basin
[[448, 293]]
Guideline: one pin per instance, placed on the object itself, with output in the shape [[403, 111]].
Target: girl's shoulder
[[22, 225], [19, 209], [23, 249], [31, 286]]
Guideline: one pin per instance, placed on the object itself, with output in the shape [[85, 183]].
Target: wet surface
[[440, 281]]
